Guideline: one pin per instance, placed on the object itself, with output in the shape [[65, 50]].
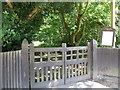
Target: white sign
[[107, 38]]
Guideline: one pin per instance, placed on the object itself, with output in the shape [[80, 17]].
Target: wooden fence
[[11, 69], [49, 67], [14, 68], [108, 61]]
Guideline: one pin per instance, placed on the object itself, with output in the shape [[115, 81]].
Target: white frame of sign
[[107, 38]]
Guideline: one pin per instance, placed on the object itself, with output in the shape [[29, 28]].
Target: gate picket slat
[[54, 72], [42, 74], [81, 68], [72, 69], [84, 67], [78, 69], [68, 71], [58, 72], [51, 73], [38, 75], [75, 70], [46, 74]]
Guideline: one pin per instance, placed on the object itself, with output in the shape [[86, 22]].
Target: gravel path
[[111, 82], [100, 82], [83, 84]]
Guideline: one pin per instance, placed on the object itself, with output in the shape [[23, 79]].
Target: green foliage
[[54, 23]]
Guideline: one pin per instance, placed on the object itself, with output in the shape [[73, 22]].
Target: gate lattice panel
[[54, 66]]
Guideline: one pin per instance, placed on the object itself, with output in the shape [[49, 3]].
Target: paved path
[[84, 84], [112, 82]]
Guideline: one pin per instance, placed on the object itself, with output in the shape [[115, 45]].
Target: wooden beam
[[113, 18], [113, 13]]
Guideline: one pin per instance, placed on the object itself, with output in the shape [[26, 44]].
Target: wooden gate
[[60, 65]]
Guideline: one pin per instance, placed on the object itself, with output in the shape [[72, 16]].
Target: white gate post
[[95, 64], [64, 60], [25, 64]]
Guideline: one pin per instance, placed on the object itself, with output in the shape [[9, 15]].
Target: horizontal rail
[[48, 49]]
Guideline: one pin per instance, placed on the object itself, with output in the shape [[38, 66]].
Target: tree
[[73, 23]]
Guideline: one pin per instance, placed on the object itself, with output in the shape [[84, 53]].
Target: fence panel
[[108, 60], [46, 67], [11, 69], [76, 64]]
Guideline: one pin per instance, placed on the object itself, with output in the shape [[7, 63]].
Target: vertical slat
[[32, 73], [14, 64], [1, 70], [81, 68], [51, 73], [59, 72], [54, 72], [48, 55], [75, 70], [17, 69], [84, 67], [38, 76], [78, 69], [68, 71], [12, 70], [46, 73], [8, 70], [19, 73], [42, 74], [82, 53], [5, 70], [10, 62], [55, 55], [25, 67], [72, 69], [71, 55], [3, 79], [77, 54]]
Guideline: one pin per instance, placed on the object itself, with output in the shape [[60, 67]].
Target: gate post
[[25, 64], [32, 80], [1, 72], [90, 54], [94, 58], [64, 60]]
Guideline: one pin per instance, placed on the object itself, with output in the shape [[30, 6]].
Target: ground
[[100, 82]]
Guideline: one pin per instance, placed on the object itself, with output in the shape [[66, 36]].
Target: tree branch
[[34, 11], [64, 23], [9, 3], [79, 18], [84, 27]]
